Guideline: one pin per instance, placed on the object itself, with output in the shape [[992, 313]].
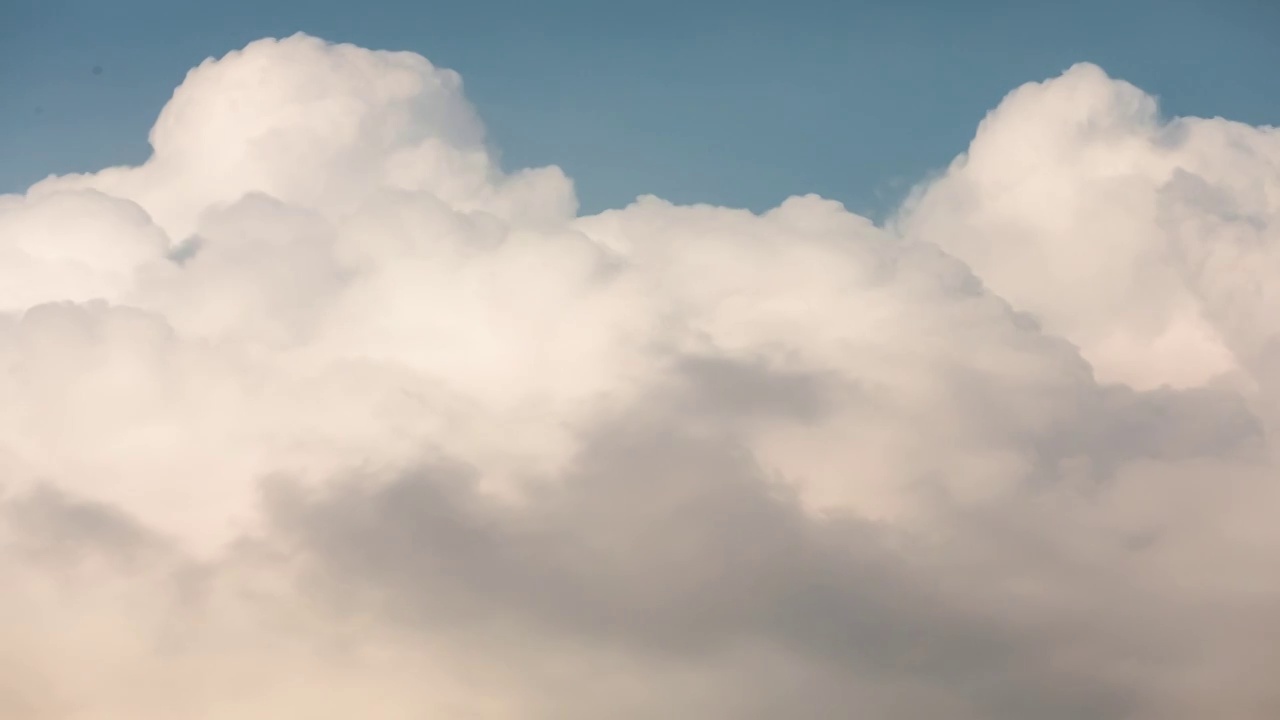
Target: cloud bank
[[322, 413]]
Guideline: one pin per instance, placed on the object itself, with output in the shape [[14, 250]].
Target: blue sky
[[740, 103]]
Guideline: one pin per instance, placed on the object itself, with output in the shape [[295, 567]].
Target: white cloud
[[320, 413], [1061, 206]]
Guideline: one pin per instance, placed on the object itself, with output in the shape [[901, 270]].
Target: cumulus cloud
[[322, 413]]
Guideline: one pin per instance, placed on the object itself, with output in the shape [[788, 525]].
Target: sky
[[735, 103], [398, 381]]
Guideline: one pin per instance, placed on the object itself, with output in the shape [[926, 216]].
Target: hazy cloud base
[[320, 413]]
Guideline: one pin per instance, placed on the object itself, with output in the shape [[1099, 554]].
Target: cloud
[[1064, 205], [320, 412]]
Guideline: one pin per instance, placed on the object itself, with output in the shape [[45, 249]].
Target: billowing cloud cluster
[[320, 413]]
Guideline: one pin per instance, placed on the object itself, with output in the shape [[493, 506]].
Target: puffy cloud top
[[321, 413]]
